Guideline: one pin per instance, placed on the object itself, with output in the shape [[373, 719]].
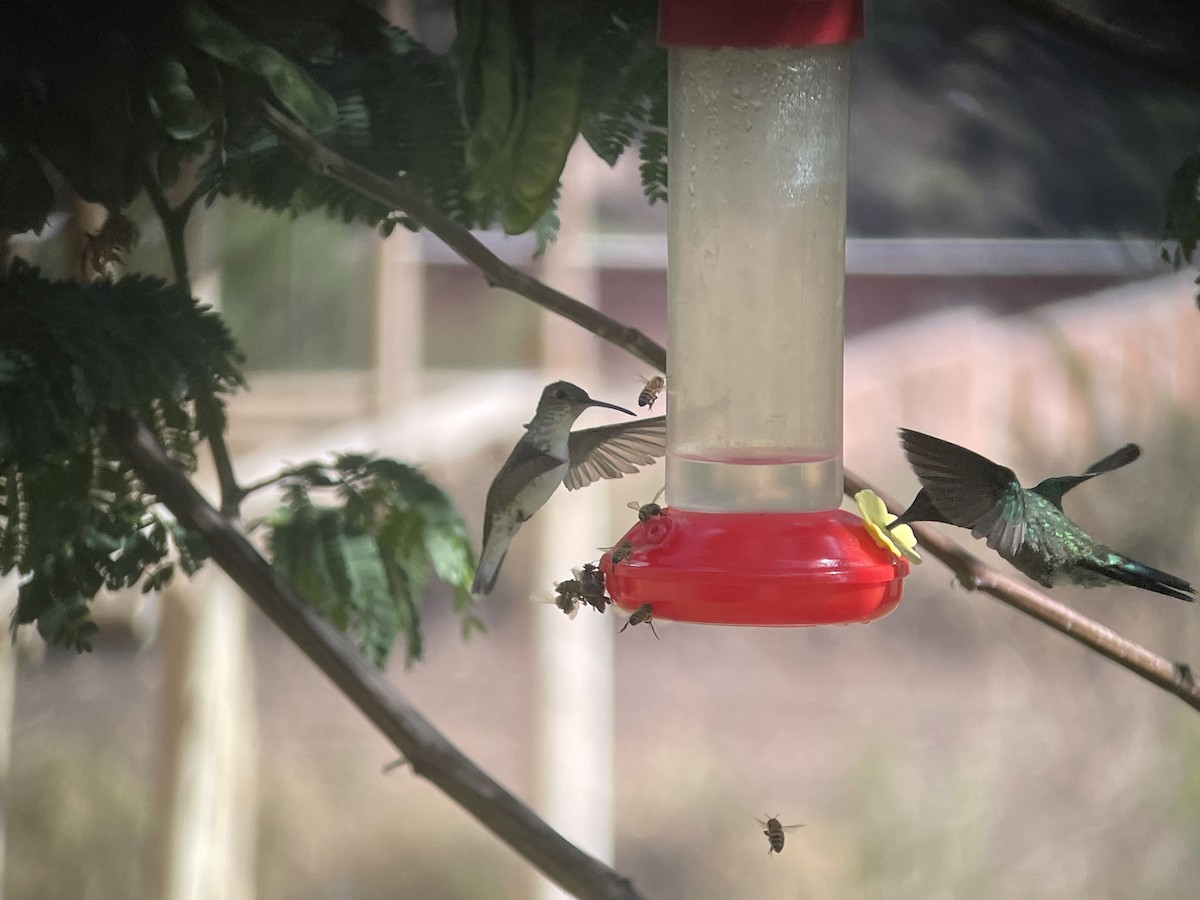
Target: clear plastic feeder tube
[[756, 268]]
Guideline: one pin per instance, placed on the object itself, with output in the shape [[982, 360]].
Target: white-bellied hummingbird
[[550, 454], [1026, 526]]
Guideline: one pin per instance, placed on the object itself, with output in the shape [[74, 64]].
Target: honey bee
[[647, 511], [591, 581], [620, 551], [568, 595], [650, 391], [644, 613], [775, 832]]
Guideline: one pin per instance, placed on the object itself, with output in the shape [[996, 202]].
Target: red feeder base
[[756, 569]]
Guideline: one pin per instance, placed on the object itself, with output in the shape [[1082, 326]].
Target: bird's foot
[[969, 580], [1185, 674]]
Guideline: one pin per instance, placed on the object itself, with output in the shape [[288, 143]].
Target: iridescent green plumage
[[1026, 526]]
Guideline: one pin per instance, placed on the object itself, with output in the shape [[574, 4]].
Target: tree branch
[[174, 222], [423, 746], [1175, 678], [1113, 40], [976, 575], [402, 194], [263, 483]]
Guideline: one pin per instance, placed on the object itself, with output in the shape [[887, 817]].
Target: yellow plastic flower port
[[899, 540]]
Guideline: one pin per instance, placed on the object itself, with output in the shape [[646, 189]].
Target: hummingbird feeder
[[758, 113]]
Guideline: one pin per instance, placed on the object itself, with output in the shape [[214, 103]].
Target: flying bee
[[644, 613], [651, 390], [775, 832], [568, 595], [620, 550], [647, 511], [592, 591]]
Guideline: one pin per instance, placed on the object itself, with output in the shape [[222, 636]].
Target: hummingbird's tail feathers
[[486, 572], [1139, 575]]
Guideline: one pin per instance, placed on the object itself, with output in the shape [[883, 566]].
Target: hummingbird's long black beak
[[592, 402]]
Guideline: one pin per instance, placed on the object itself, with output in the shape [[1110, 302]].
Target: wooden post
[[204, 845], [574, 665], [206, 806], [8, 688], [399, 293]]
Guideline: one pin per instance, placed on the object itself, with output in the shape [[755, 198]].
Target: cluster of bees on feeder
[[586, 586]]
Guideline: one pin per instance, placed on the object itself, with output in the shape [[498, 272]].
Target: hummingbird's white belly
[[535, 494]]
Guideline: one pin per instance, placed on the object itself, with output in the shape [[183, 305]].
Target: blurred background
[[1003, 291]]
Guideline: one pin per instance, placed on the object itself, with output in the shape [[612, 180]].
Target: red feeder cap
[[756, 569], [759, 23]]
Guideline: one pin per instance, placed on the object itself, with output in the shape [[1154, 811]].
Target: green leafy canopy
[[365, 562], [90, 91], [73, 519]]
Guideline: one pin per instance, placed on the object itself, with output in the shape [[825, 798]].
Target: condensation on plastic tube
[[756, 269]]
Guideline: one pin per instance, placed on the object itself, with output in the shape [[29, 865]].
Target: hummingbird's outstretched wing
[[920, 510], [970, 490], [612, 451], [1054, 488]]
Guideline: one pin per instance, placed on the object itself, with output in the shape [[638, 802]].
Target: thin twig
[[976, 575], [428, 753], [263, 483], [187, 203], [174, 223], [401, 194], [1112, 40]]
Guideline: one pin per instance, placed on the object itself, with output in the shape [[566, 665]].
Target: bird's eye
[[560, 395]]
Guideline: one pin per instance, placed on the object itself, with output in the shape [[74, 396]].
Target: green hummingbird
[[550, 454], [1026, 526]]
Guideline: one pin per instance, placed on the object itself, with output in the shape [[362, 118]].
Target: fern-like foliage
[[482, 136], [365, 562], [397, 112], [625, 94], [94, 90], [1181, 231], [73, 519], [533, 75]]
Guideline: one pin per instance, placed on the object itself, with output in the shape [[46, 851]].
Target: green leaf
[[653, 168], [175, 104], [291, 85], [73, 518], [366, 563]]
